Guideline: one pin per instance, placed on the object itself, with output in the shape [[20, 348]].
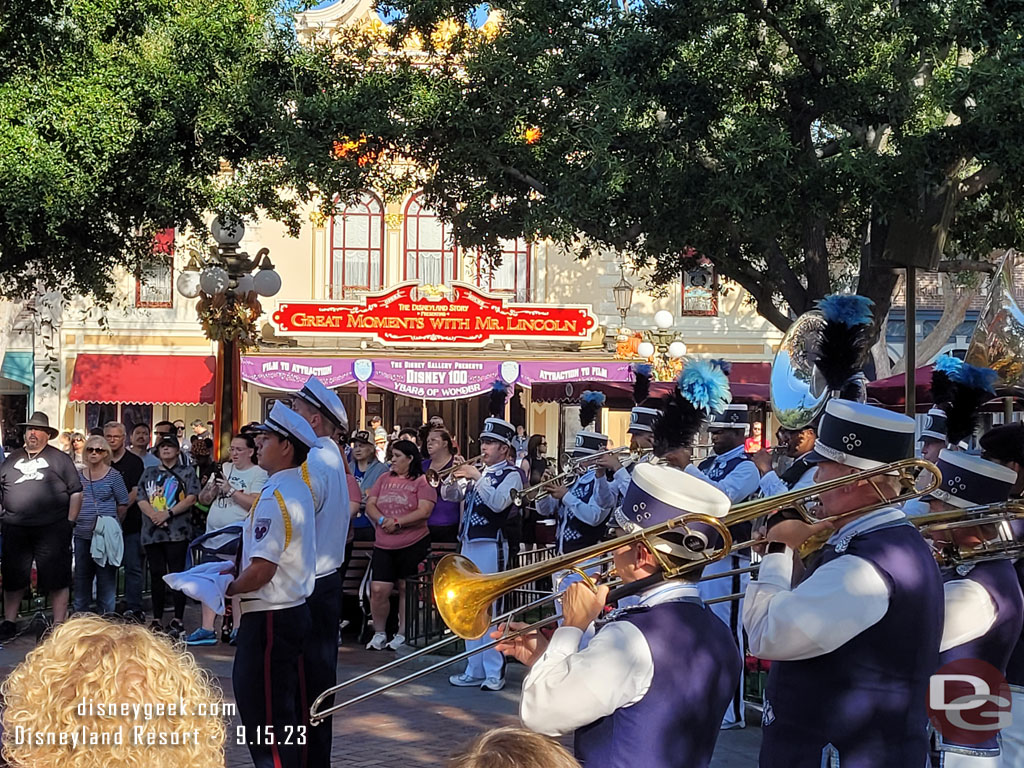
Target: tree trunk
[[953, 313]]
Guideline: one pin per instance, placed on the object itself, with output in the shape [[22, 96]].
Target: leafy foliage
[[792, 142]]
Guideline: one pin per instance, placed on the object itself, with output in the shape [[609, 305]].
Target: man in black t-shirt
[[40, 491], [130, 466]]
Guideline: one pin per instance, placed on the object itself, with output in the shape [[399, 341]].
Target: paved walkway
[[415, 726]]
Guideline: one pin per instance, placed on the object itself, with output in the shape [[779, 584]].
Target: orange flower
[[532, 135], [345, 148]]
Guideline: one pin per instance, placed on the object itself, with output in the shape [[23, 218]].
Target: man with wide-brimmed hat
[[40, 491]]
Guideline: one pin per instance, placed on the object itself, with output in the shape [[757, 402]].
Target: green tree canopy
[[791, 142]]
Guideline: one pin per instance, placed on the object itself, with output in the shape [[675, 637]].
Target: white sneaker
[[493, 684], [465, 681], [396, 642], [377, 642]]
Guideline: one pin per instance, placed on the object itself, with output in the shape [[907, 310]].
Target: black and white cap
[[659, 492], [498, 429], [285, 422], [641, 420], [589, 442], [969, 480], [935, 425], [862, 436], [316, 394], [734, 416]]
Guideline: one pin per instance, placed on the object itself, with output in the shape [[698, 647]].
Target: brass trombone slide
[[436, 478], [952, 553]]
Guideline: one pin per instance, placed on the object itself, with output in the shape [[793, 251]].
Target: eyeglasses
[[93, 449], [180, 429], [77, 440]]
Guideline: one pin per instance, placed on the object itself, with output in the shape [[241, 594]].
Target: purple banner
[[424, 379]]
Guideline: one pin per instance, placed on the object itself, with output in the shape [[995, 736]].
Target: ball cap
[[285, 422], [658, 493]]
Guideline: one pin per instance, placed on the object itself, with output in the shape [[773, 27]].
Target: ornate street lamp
[[663, 347], [229, 309], [623, 293]]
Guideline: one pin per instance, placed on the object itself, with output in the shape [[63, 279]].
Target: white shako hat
[[588, 442], [659, 492], [316, 394], [285, 422], [498, 429], [935, 426], [642, 419], [734, 416], [862, 436], [969, 480]]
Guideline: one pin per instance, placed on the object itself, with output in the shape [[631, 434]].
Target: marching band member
[[984, 605], [277, 573], [652, 684], [612, 484], [797, 444], [488, 496], [582, 519], [733, 472], [857, 639], [324, 470], [854, 642]]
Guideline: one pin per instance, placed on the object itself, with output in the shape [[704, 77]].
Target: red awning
[[157, 379]]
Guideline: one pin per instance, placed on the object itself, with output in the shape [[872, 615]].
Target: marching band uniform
[[488, 503], [854, 644], [325, 473], [652, 684], [799, 474], [1005, 444], [984, 603], [582, 518], [611, 491], [275, 618], [736, 475]]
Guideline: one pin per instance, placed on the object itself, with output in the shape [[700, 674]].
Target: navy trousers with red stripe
[[268, 679], [321, 658]]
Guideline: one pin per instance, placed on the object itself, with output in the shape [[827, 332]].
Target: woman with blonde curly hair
[[105, 695], [512, 747]]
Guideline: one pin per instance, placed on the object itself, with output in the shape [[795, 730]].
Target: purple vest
[[867, 698], [1015, 665], [480, 522], [575, 533], [1000, 581], [676, 723]]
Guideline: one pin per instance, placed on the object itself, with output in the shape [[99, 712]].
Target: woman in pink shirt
[[398, 505]]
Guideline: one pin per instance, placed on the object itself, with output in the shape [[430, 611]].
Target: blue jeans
[[133, 561], [85, 571]]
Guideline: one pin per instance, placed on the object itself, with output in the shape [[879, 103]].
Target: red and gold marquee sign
[[423, 315]]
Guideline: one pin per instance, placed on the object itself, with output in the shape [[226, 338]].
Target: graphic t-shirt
[[163, 488], [37, 491], [397, 496]]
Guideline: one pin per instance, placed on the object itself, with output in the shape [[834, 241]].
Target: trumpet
[[464, 596], [437, 478], [568, 460]]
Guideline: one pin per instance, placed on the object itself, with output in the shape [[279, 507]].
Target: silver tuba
[[998, 339], [798, 391]]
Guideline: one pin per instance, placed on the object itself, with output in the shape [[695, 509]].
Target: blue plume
[[948, 365], [983, 379], [705, 385], [643, 369], [725, 365], [590, 404], [848, 309], [496, 400]]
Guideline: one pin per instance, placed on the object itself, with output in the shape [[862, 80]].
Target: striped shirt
[[99, 498]]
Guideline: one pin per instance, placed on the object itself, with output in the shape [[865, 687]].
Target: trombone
[[950, 553], [436, 478], [464, 596]]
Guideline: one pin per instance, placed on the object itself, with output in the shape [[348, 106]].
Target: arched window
[[512, 276], [357, 248], [429, 248]]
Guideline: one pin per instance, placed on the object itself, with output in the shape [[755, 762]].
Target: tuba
[[798, 391], [998, 339]]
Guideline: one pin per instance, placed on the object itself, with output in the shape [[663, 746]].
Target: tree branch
[[526, 178], [976, 182], [966, 265], [754, 285], [810, 62]]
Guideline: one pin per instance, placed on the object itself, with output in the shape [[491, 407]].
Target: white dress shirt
[[771, 484], [739, 484], [829, 608], [330, 497], [571, 685], [590, 512], [970, 613]]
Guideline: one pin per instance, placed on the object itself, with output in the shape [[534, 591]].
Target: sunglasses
[[95, 450], [180, 429]]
